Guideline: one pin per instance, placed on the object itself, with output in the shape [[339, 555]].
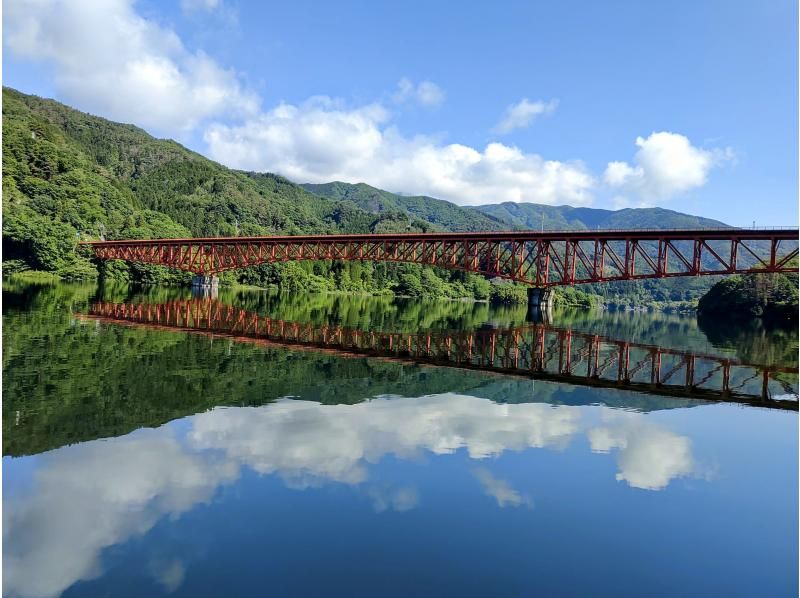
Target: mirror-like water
[[143, 460]]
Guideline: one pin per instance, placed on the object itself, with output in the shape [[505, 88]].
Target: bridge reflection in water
[[540, 351]]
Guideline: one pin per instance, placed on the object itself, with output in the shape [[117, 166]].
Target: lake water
[[142, 460]]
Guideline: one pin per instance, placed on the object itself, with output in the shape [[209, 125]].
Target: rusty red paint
[[541, 259]]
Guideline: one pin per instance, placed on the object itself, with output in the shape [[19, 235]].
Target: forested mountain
[[441, 214], [507, 215], [69, 176], [78, 175]]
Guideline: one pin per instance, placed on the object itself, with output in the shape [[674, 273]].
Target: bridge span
[[539, 351], [539, 259]]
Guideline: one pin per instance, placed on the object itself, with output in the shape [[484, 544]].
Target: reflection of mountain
[[91, 496]]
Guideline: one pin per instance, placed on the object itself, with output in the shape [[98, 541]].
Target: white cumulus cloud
[[666, 164], [109, 60], [322, 140], [523, 113]]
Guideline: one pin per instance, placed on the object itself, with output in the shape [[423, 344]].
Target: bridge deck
[[542, 259]]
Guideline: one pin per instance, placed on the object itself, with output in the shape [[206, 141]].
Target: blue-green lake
[[143, 461]]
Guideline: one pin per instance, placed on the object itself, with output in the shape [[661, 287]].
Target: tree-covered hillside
[[506, 216], [440, 214], [772, 296], [97, 179], [70, 176]]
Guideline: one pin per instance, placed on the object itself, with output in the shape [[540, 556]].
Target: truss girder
[[540, 259]]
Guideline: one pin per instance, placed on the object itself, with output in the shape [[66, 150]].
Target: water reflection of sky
[[169, 500]]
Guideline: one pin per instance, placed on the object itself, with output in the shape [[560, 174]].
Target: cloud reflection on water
[[93, 495], [648, 457]]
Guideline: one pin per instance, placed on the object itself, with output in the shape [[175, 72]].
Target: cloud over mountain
[[323, 140], [665, 165], [109, 59]]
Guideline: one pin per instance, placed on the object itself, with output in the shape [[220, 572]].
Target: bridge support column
[[540, 304], [205, 286]]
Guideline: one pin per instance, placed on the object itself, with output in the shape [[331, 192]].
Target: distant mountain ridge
[[446, 215], [529, 215], [443, 215]]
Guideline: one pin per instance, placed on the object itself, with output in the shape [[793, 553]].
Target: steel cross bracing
[[541, 259], [542, 351]]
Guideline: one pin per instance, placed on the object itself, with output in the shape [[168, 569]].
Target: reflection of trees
[[67, 381], [660, 329], [353, 311], [754, 340]]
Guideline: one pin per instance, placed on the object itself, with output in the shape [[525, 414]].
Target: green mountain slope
[[440, 214], [445, 215], [68, 175]]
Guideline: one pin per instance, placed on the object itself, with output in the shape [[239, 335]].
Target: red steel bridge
[[540, 351], [541, 259]]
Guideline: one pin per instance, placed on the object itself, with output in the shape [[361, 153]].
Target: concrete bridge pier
[[205, 286], [540, 304]]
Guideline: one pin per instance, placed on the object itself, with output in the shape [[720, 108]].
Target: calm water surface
[[142, 461]]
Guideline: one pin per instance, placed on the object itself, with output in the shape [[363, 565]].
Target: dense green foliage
[[771, 296]]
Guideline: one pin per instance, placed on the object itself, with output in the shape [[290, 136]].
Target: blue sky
[[685, 105]]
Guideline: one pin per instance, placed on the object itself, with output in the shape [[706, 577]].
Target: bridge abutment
[[540, 304], [205, 286]]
